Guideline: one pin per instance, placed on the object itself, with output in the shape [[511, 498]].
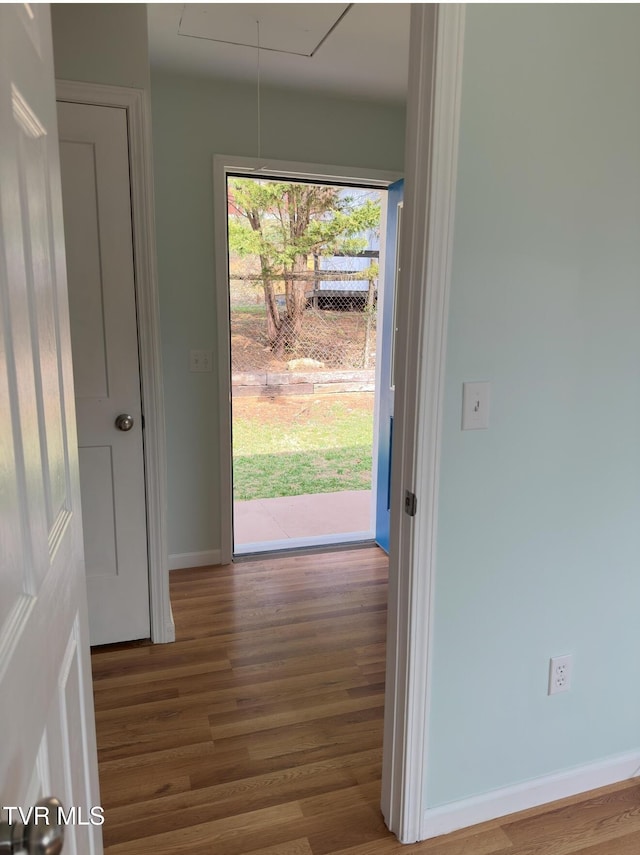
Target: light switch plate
[[475, 406], [200, 360]]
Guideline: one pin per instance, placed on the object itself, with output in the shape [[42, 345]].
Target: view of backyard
[[331, 338], [303, 278], [305, 444]]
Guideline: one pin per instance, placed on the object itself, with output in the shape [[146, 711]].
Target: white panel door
[[97, 215], [46, 706]]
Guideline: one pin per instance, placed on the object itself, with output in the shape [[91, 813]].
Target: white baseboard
[[194, 559], [539, 791]]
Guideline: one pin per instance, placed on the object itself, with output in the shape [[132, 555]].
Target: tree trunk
[[298, 301], [273, 314], [274, 321], [296, 297]]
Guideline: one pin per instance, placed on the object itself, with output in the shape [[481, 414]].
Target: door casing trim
[[223, 165], [136, 103], [433, 116]]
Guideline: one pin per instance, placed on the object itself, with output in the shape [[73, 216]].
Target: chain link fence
[[338, 325]]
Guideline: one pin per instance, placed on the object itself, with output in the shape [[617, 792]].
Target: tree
[[283, 224]]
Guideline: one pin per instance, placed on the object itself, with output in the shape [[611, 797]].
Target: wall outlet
[[200, 360], [560, 673]]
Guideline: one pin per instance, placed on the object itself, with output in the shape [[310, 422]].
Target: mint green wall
[[101, 43], [539, 520], [193, 119]]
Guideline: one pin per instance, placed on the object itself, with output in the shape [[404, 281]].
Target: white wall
[[101, 43], [539, 518]]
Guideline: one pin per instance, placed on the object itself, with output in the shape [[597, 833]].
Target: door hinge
[[410, 503], [142, 420]]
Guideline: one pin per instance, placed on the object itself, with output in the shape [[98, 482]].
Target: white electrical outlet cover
[[560, 673]]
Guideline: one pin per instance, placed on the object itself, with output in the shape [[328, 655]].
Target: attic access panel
[[289, 28]]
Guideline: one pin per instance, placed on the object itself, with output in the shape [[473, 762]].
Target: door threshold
[[304, 545]]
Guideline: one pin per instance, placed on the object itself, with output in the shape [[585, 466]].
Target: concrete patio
[[320, 514]]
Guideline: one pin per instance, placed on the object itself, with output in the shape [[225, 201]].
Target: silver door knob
[[124, 422], [42, 834]]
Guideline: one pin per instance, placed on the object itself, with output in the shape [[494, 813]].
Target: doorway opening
[[304, 265]]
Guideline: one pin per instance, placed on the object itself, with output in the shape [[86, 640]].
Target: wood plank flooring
[[259, 732]]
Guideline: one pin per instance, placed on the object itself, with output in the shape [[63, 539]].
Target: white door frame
[[257, 168], [136, 103], [435, 71]]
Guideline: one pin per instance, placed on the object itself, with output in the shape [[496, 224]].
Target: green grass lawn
[[287, 448]]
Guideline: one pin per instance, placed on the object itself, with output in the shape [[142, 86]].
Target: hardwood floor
[[259, 731]]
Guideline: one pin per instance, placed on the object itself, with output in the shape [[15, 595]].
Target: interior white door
[[96, 196], [46, 707]]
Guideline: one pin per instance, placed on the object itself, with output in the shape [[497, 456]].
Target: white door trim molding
[[435, 71], [136, 103], [222, 166]]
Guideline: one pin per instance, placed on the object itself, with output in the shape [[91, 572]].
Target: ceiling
[[357, 49]]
